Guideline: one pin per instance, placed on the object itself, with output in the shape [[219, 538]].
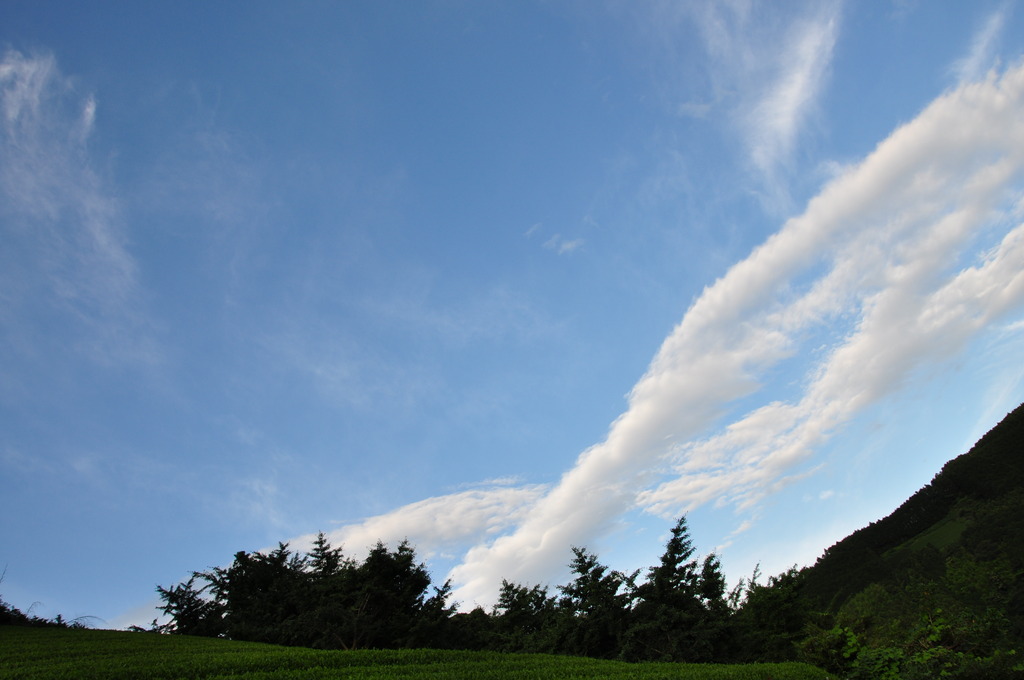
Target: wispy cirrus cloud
[[982, 53], [899, 263], [65, 248], [351, 370], [775, 119], [557, 243], [562, 245], [768, 75]]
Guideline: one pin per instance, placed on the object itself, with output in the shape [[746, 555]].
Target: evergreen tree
[[681, 612], [191, 612], [772, 618], [325, 561], [524, 619], [390, 596], [260, 594], [596, 606], [326, 614]]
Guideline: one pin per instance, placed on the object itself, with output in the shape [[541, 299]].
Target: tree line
[[953, 614], [680, 610]]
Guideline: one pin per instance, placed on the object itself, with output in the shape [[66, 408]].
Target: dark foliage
[[681, 612], [526, 619], [989, 476], [322, 600], [935, 588], [191, 613], [12, 616], [773, 619], [594, 608]]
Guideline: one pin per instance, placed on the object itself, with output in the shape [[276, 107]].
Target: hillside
[[935, 589], [973, 504]]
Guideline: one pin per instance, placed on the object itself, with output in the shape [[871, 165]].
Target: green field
[[55, 653]]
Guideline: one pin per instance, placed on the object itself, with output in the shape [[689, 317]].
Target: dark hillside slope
[[974, 503]]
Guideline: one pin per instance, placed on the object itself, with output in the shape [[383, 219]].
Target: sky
[[500, 278]]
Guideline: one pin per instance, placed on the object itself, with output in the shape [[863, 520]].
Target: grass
[[943, 534], [58, 654]]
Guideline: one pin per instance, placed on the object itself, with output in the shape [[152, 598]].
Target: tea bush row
[[59, 654]]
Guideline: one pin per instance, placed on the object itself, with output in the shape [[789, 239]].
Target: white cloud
[[897, 271], [897, 264], [64, 244], [768, 74], [982, 54], [884, 244], [440, 524], [775, 119]]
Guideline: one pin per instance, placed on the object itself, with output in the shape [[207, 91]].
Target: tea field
[[65, 654]]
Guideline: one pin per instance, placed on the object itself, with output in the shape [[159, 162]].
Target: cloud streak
[[881, 261], [775, 119], [981, 55], [441, 524], [63, 240], [771, 76]]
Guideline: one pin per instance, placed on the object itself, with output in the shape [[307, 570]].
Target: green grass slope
[[58, 654]]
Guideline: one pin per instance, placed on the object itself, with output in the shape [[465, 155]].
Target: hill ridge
[[991, 469]]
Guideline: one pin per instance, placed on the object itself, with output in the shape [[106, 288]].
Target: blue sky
[[499, 278]]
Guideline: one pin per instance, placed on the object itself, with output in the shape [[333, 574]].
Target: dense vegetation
[[324, 599], [933, 590], [58, 654], [936, 587]]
